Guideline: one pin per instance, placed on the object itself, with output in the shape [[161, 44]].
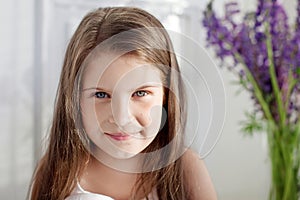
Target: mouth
[[118, 136]]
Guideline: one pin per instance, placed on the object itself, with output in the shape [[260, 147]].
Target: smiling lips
[[118, 136]]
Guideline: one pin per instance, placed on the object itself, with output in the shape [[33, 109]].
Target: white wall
[[238, 165], [16, 102]]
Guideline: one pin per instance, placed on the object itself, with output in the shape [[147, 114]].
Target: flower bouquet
[[264, 52]]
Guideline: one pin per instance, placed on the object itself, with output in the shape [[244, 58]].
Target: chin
[[123, 155]]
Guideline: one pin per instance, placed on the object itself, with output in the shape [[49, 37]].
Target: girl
[[117, 130]]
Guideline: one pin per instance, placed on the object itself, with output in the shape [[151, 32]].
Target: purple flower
[[248, 41], [218, 35], [297, 23]]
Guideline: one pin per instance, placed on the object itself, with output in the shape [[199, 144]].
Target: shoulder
[[196, 177]]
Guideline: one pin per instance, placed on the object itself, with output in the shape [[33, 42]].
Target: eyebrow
[[94, 88], [148, 85], [139, 88]]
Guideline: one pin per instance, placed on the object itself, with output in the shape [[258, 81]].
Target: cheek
[[102, 111], [88, 117], [150, 116], [92, 115]]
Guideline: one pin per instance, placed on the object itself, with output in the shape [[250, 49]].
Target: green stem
[[284, 154], [292, 83], [274, 80], [257, 90]]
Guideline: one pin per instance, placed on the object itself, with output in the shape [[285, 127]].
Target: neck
[[99, 168], [129, 165]]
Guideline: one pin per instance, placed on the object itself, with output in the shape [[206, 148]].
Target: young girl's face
[[121, 104]]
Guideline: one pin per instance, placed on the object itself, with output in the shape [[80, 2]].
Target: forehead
[[108, 70]]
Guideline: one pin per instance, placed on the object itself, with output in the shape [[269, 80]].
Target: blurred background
[[33, 38]]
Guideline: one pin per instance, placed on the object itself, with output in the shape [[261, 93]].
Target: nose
[[121, 114]]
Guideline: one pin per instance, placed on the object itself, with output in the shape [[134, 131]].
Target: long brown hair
[[66, 156]]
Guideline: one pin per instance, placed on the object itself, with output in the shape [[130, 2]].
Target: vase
[[284, 155]]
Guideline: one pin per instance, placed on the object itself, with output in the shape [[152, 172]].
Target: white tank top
[[80, 194]]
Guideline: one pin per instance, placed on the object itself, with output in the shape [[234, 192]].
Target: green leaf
[[252, 124], [298, 70], [243, 85]]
